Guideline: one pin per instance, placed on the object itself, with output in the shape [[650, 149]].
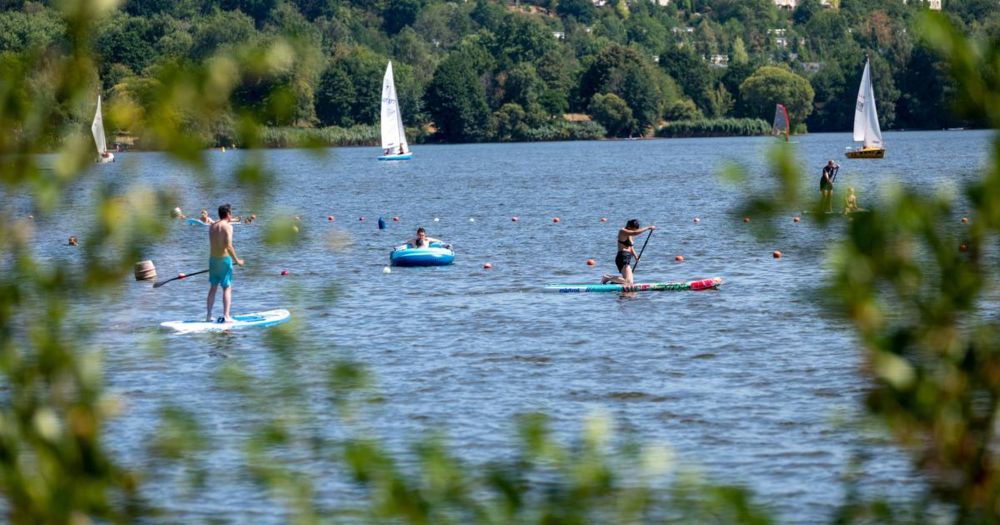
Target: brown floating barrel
[[144, 271]]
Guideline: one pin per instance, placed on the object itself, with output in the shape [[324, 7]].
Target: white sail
[[866, 128], [393, 134], [97, 128]]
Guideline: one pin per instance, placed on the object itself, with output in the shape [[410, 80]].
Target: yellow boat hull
[[866, 153]]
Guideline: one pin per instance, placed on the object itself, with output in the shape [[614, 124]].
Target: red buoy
[[591, 262], [181, 276], [329, 217], [679, 258], [555, 219], [487, 266], [776, 254], [284, 272], [395, 219]]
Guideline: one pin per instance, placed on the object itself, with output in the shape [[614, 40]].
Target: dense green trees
[[772, 85], [684, 61]]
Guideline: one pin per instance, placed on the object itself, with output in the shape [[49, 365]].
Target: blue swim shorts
[[220, 271]]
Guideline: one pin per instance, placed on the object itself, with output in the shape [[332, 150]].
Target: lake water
[[747, 382]]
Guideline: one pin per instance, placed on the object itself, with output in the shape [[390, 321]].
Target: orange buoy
[[965, 220], [284, 272], [591, 262], [679, 258], [746, 219], [487, 266], [555, 219], [697, 220], [776, 254], [604, 219], [796, 219]]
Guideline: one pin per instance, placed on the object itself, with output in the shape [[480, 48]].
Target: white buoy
[[436, 219], [386, 270], [472, 219]]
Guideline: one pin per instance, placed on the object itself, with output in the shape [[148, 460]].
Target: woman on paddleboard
[[626, 252]]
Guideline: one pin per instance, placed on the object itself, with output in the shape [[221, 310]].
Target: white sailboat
[[394, 146], [781, 123], [866, 128], [97, 128]]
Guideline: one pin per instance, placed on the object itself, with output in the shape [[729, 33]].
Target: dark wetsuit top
[[624, 257], [826, 180]]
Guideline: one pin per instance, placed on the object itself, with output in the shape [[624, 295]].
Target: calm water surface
[[747, 382]]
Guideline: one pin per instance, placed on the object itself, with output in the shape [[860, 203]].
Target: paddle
[[642, 250], [183, 276]]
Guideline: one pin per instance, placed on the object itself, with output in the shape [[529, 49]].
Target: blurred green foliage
[[917, 278], [915, 298]]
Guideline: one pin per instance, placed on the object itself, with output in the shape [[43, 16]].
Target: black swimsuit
[[624, 257]]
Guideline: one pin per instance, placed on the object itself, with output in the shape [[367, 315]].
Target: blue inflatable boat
[[436, 255]]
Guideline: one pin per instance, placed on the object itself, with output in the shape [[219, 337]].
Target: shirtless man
[[422, 240], [220, 263]]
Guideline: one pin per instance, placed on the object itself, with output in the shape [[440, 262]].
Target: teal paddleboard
[[239, 322]]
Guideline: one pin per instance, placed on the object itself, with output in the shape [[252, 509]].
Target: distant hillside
[[484, 70]]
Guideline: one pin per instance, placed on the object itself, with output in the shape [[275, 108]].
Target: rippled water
[[747, 381]]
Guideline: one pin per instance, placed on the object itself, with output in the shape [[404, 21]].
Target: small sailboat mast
[[394, 145], [866, 127], [781, 123], [97, 129]]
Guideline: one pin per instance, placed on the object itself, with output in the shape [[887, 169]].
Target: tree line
[[485, 70]]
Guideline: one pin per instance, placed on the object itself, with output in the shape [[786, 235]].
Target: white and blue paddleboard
[[254, 320]]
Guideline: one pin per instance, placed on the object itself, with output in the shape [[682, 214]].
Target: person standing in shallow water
[[220, 263], [626, 252]]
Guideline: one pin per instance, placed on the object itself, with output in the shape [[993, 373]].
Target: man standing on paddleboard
[[220, 262]]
